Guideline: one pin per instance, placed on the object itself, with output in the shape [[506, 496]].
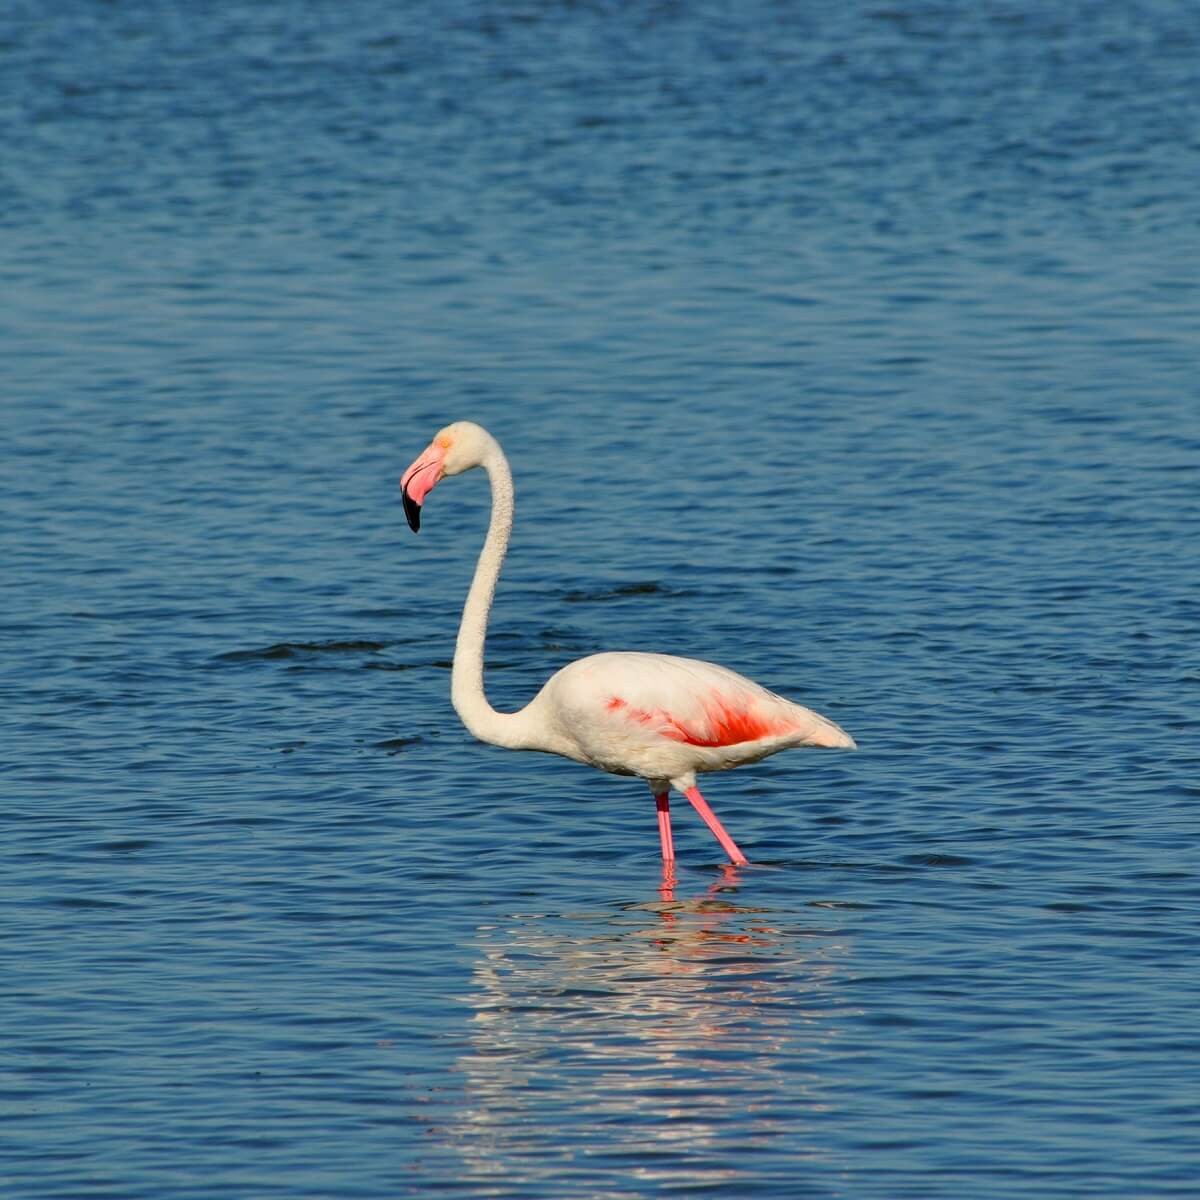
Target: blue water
[[852, 346]]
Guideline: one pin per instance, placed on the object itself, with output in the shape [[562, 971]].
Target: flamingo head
[[457, 448]]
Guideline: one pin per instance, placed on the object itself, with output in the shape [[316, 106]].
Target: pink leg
[[663, 804], [710, 819]]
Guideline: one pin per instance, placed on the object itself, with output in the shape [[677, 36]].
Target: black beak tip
[[412, 510]]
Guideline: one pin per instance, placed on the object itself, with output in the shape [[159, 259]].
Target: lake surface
[[854, 347]]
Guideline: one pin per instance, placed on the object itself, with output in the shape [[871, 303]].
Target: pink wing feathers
[[701, 704]]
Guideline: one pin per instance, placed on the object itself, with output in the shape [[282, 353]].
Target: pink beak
[[418, 481]]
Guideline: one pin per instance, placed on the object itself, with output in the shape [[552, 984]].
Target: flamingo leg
[[710, 819], [663, 804]]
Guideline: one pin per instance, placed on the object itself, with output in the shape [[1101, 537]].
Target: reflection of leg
[[710, 819], [666, 889], [663, 804]]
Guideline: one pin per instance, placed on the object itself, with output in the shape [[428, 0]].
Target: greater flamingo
[[652, 715]]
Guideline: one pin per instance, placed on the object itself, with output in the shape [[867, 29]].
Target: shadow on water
[[675, 1038]]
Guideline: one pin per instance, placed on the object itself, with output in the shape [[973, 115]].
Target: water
[[854, 349]]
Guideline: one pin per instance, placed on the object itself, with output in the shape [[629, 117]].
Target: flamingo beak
[[412, 512], [418, 481]]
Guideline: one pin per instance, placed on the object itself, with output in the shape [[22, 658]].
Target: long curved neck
[[466, 681]]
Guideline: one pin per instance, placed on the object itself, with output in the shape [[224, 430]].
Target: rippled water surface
[[854, 349]]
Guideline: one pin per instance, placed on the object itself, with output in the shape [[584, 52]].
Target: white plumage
[[662, 717]]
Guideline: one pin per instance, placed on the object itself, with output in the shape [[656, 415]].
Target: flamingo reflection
[[673, 1032]]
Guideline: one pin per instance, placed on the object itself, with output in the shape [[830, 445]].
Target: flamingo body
[[629, 713], [667, 718]]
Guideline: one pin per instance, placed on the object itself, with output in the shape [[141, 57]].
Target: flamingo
[[655, 716]]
